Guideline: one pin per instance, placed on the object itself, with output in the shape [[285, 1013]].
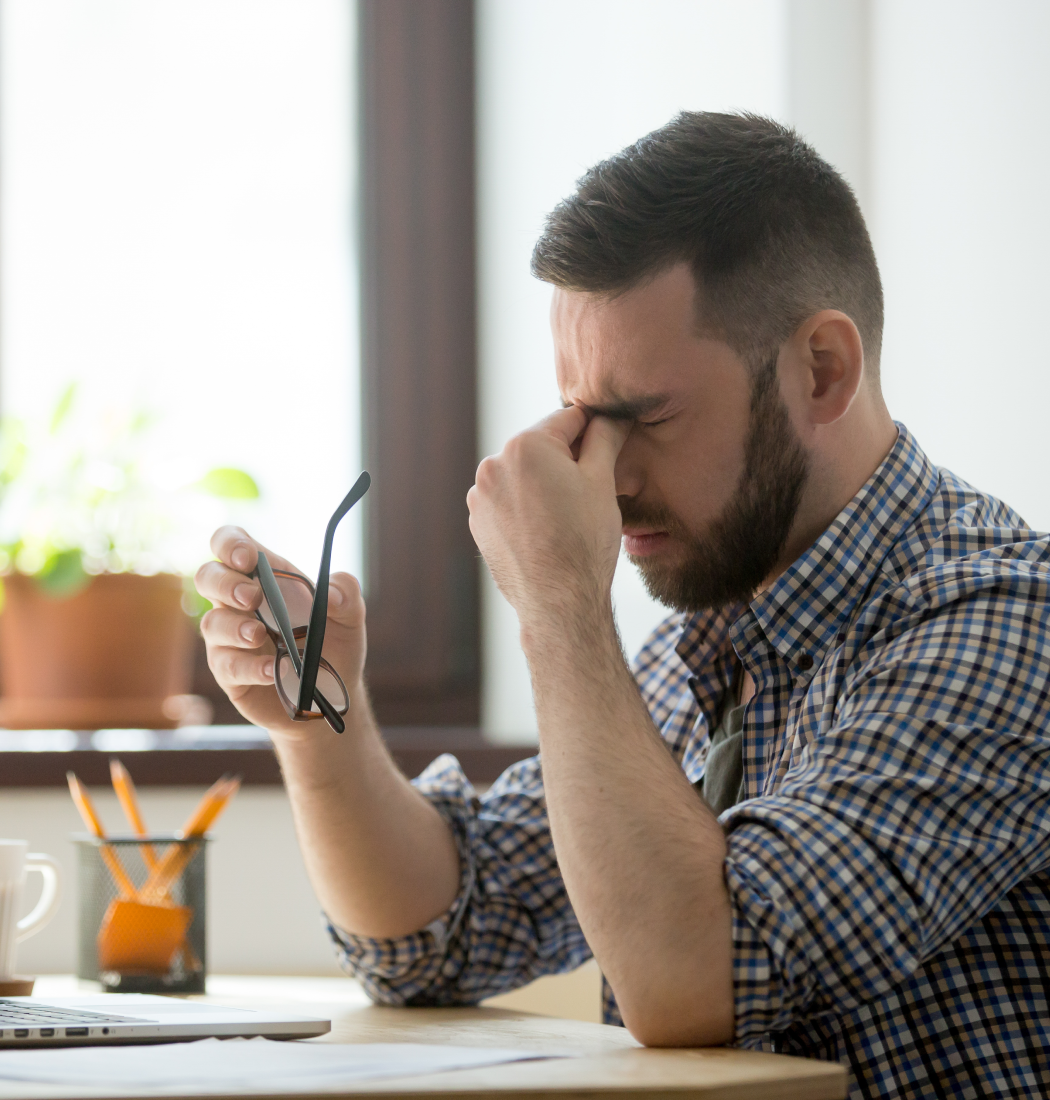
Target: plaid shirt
[[888, 868]]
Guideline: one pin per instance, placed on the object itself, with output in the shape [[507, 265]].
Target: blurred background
[[298, 233]]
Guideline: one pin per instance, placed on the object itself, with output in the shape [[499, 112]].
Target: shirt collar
[[705, 648], [806, 608]]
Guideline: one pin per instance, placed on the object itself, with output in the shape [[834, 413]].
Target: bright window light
[[176, 234]]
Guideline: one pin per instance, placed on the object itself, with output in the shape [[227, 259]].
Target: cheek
[[691, 468]]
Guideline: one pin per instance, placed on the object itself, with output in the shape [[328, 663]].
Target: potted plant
[[97, 616]]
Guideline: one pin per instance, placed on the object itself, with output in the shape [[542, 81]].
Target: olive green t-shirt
[[723, 779]]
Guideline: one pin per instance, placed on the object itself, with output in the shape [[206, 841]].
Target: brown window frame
[[419, 357], [416, 252]]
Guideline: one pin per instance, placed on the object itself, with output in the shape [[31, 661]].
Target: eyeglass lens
[[298, 597], [330, 686]]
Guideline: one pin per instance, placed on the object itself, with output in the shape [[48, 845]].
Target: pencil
[[203, 810], [175, 859], [210, 808], [129, 803], [94, 825]]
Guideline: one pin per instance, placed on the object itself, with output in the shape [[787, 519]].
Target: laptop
[[92, 1019]]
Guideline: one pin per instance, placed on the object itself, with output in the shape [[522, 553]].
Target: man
[[854, 678]]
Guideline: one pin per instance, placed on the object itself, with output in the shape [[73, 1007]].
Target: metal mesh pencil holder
[[142, 913]]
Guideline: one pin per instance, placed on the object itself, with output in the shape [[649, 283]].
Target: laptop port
[[21, 1033], [46, 1032], [71, 1031]]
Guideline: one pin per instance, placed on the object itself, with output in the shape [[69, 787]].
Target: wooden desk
[[612, 1064]]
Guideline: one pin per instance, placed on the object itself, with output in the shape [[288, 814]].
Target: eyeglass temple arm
[[272, 592], [319, 610]]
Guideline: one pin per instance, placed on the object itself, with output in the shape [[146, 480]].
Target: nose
[[629, 472]]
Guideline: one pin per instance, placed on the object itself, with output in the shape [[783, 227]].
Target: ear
[[826, 359]]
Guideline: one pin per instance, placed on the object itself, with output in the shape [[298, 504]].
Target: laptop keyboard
[[48, 1018]]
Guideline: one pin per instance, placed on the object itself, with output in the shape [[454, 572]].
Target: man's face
[[710, 477]]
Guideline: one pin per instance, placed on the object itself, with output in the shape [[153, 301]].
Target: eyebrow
[[626, 409]]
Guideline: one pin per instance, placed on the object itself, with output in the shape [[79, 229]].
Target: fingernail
[[243, 594], [240, 557], [268, 670], [249, 632], [335, 597]]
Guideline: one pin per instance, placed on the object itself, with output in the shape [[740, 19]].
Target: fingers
[[227, 587], [224, 627], [224, 581], [233, 546], [565, 425], [602, 442], [238, 668], [346, 605]]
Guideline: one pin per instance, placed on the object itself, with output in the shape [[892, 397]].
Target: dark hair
[[772, 232]]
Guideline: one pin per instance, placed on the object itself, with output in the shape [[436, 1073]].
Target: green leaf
[[230, 483], [63, 574], [63, 406], [13, 450], [193, 603]]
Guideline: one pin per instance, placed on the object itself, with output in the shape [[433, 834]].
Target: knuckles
[[200, 578], [207, 622], [519, 454], [225, 537], [519, 448], [216, 582], [486, 478], [229, 666]]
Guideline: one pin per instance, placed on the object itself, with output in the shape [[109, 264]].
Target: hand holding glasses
[[295, 614]]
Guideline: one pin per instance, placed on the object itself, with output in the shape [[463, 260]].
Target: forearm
[[381, 859], [641, 855]]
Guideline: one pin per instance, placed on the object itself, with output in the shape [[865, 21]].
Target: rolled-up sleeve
[[511, 922], [900, 826]]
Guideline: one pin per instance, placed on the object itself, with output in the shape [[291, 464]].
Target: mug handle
[[50, 896]]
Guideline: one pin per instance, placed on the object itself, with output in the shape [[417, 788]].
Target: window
[[176, 218], [182, 223]]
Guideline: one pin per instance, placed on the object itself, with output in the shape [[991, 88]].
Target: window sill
[[195, 755]]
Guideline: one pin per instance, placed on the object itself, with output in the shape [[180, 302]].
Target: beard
[[727, 563]]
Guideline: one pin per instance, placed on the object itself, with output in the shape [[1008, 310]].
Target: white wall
[[935, 111], [262, 914], [828, 48], [961, 155], [562, 84]]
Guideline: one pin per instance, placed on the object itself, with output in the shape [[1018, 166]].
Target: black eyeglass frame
[[308, 663], [325, 709]]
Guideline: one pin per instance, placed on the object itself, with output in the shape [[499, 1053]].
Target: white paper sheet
[[234, 1065]]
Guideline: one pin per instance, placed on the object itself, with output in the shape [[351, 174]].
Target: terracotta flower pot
[[111, 656]]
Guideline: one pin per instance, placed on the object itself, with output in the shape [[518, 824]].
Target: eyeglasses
[[295, 613]]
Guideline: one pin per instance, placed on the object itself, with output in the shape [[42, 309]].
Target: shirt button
[[805, 662]]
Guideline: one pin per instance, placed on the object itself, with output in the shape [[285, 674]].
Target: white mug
[[15, 861]]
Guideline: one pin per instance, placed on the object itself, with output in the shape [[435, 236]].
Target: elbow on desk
[[672, 1021]]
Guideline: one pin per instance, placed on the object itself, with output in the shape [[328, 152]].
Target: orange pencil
[[215, 800], [129, 803], [205, 811], [205, 815], [91, 820], [128, 798]]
